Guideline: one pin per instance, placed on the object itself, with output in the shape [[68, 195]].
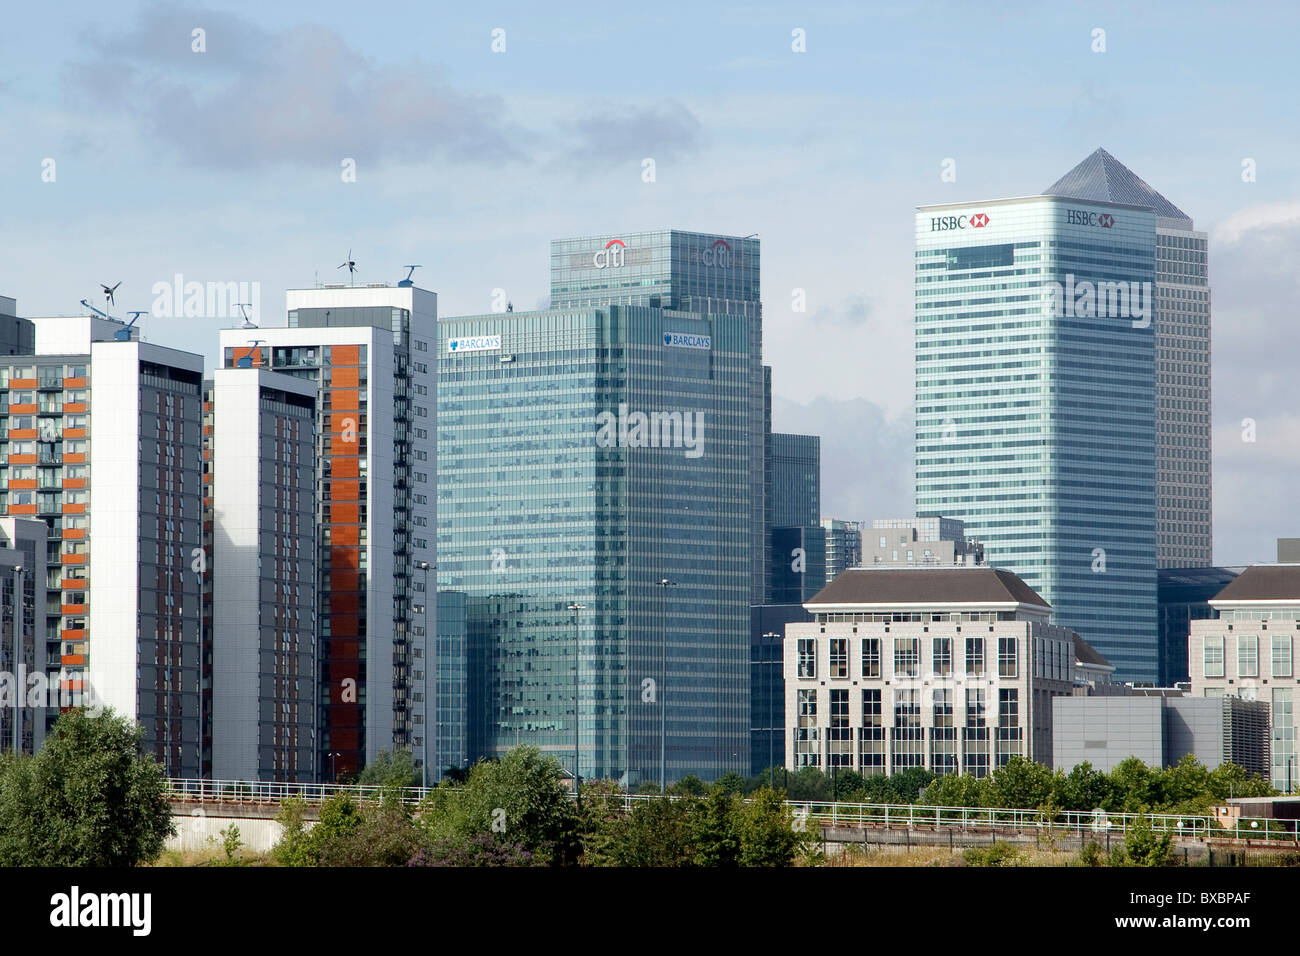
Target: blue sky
[[225, 166]]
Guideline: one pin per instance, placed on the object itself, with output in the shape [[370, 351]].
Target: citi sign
[[974, 221], [611, 257], [718, 254], [1082, 217]]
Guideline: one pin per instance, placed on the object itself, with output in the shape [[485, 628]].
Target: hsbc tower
[[1036, 395]]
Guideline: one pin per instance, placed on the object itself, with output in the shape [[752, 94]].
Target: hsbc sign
[[976, 220], [1083, 217]]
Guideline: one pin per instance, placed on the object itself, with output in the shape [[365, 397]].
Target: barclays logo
[[687, 340]]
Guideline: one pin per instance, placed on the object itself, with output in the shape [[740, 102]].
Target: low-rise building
[[1248, 651], [952, 669], [928, 540], [1159, 729]]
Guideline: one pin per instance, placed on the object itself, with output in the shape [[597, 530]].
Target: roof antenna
[[407, 283]]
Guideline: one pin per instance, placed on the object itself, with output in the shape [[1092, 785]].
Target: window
[[1247, 655], [1213, 659], [974, 707], [1282, 655], [807, 657], [882, 541], [974, 657], [871, 657], [839, 657], [1009, 708], [1007, 659], [907, 656], [838, 738], [942, 650], [942, 707], [806, 750], [871, 708]]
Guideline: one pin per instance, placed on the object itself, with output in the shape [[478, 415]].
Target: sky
[[478, 132]]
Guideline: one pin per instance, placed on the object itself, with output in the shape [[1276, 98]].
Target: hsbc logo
[[611, 257], [1082, 217], [974, 221]]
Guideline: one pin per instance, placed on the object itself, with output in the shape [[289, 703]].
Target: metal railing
[[883, 815], [262, 792]]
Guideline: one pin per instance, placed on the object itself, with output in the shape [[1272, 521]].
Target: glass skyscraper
[[1035, 402], [1184, 516], [586, 454]]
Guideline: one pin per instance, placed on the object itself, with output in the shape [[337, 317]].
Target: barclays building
[[600, 503]]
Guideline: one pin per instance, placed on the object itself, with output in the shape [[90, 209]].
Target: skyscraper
[[600, 504], [263, 568], [367, 350], [1184, 440], [1036, 402], [101, 443]]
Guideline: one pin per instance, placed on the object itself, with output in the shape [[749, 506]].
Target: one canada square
[[1063, 394]]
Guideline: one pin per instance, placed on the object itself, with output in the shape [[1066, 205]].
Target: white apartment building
[[1249, 652], [263, 566], [951, 669], [368, 350]]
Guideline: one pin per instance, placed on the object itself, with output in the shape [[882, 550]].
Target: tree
[[731, 782], [765, 830], [90, 797], [518, 800], [1021, 783], [295, 846], [391, 768], [689, 786], [1086, 789], [1230, 780], [1185, 787], [1137, 784], [655, 833], [954, 790], [712, 826], [1144, 847]]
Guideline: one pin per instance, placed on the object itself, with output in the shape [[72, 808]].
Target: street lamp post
[[664, 583], [577, 650], [334, 773], [424, 758]]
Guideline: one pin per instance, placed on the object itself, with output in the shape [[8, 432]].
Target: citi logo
[[718, 254], [611, 257], [1084, 217], [974, 221]]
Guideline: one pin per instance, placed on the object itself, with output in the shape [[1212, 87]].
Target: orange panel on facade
[[73, 609], [74, 534], [24, 433], [344, 355], [346, 513], [74, 408], [74, 482], [22, 509], [22, 459], [75, 382], [73, 660], [345, 377], [74, 509], [346, 536], [74, 433], [339, 490], [346, 468], [72, 558], [74, 458], [23, 383], [22, 484], [344, 580], [345, 400], [344, 445], [26, 408]]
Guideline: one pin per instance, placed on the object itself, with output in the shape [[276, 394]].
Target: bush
[[995, 854]]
